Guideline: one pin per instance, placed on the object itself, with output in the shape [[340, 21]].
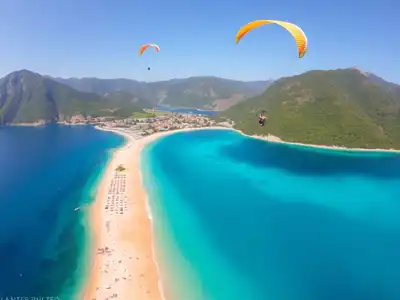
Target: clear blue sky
[[87, 38]]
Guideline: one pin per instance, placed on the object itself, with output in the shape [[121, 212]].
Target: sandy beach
[[123, 264]]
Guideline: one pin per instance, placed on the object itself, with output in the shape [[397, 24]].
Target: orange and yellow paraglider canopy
[[295, 31], [145, 46]]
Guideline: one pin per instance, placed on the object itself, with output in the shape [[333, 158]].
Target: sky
[[87, 38]]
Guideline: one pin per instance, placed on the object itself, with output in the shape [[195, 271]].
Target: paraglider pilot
[[261, 119]]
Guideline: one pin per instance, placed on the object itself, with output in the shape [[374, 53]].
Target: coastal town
[[138, 126]]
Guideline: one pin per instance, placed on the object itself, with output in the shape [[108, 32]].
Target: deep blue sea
[[240, 218], [45, 173]]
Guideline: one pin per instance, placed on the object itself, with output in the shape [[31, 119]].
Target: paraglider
[[261, 119], [146, 46], [294, 30]]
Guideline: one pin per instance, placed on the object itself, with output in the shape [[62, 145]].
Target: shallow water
[[45, 173], [239, 218], [192, 111]]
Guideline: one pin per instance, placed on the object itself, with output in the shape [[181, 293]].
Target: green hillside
[[338, 107], [27, 97]]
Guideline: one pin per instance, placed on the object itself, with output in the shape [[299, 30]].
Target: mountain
[[127, 98], [338, 107], [388, 86], [194, 92], [28, 97]]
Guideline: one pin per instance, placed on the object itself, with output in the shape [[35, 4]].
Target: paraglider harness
[[261, 119]]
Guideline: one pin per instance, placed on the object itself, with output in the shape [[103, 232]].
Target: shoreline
[[274, 139], [268, 137]]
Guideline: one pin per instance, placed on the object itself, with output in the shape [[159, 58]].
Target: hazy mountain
[[127, 98], [388, 86], [195, 92]]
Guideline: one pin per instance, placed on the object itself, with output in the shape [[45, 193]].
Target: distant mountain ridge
[[28, 97], [343, 107], [195, 92], [387, 85]]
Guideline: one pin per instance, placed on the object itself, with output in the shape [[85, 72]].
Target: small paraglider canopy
[[261, 118], [145, 47]]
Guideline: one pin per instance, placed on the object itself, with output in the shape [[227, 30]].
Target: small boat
[[78, 208]]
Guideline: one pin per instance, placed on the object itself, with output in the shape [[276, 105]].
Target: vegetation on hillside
[[142, 114], [125, 98], [160, 112], [27, 97], [338, 107]]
